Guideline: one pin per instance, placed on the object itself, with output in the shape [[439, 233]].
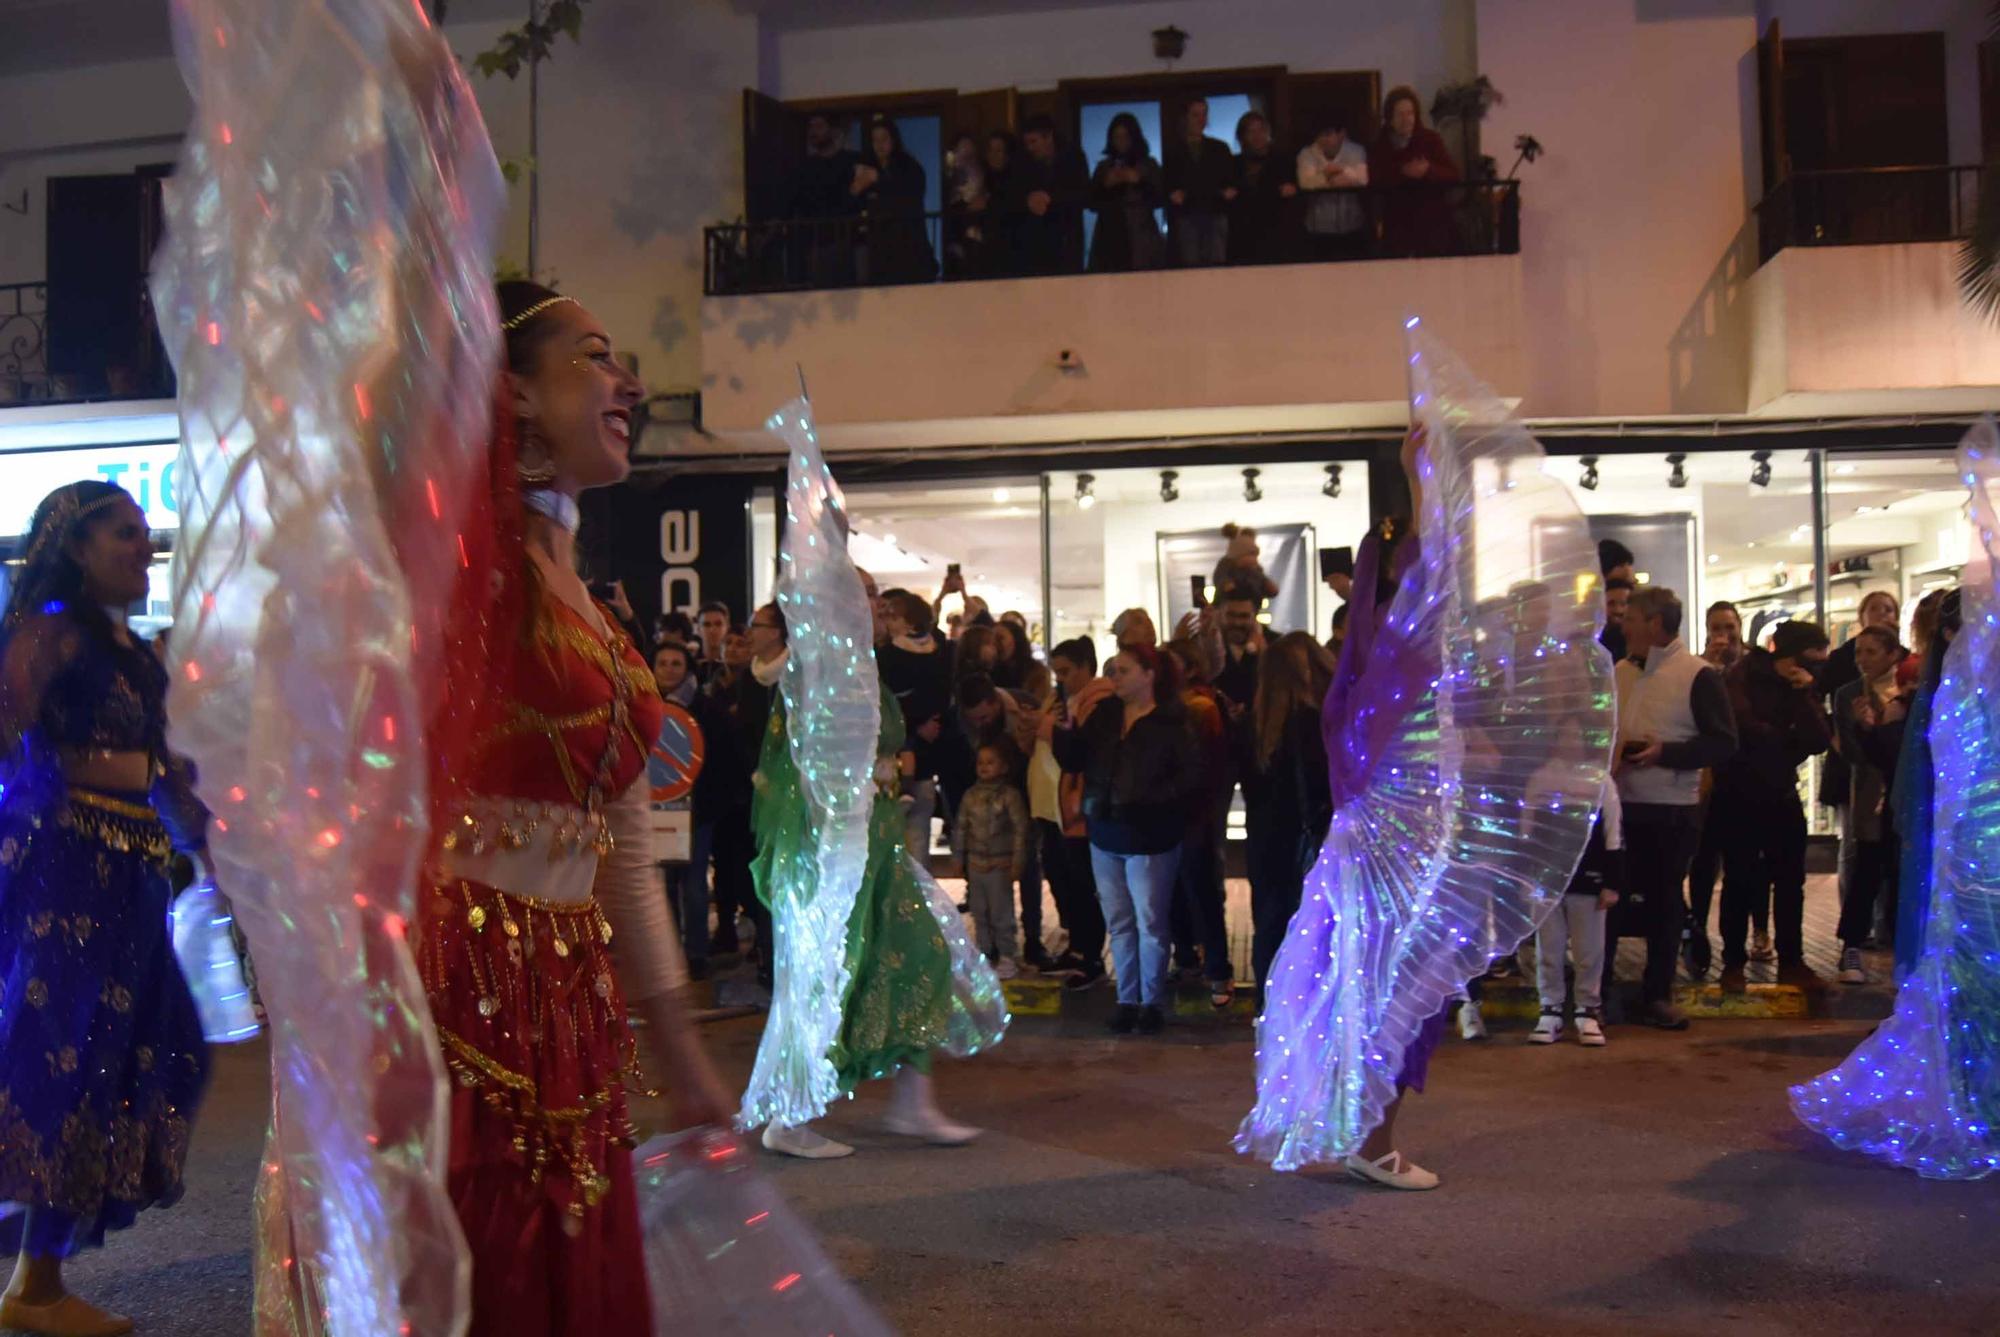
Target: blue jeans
[[1137, 893], [688, 885]]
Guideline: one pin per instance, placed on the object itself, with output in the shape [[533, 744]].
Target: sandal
[[1221, 994]]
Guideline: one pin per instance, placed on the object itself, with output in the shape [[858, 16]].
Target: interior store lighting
[[1251, 492], [1331, 487], [1085, 498], [1589, 480], [1168, 492], [1760, 472], [1677, 470]]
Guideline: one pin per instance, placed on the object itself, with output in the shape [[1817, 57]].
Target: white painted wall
[[1422, 42], [1631, 282]]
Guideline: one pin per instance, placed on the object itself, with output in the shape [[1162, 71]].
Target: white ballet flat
[[803, 1143], [1392, 1171]]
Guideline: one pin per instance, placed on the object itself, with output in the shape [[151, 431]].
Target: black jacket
[[1201, 172], [1777, 727], [921, 683], [1049, 243], [1138, 787]]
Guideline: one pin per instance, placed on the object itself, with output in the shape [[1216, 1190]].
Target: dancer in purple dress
[[1468, 737]]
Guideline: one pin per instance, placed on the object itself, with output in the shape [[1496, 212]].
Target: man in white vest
[[1674, 721]]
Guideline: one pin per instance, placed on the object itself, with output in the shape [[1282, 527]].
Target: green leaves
[[533, 42]]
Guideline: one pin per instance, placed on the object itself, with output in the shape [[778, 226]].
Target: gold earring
[[532, 466]]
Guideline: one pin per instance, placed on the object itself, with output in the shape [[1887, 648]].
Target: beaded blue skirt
[[102, 1061]]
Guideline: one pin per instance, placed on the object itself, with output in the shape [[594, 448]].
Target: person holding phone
[[1674, 720]]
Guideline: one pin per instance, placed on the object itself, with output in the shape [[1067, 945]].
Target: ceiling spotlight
[[1085, 498], [1168, 492], [1251, 492], [1677, 473], [1001, 496], [1331, 488], [1760, 472], [1589, 480]]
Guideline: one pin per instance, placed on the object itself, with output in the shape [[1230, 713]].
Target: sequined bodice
[[575, 720], [111, 698]]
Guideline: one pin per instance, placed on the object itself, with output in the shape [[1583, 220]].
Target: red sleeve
[[1443, 166]]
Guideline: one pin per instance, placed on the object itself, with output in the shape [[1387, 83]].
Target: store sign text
[[147, 472]]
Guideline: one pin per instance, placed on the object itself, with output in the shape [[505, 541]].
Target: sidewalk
[[1513, 1000]]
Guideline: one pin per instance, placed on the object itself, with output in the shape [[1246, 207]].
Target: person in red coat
[[1406, 166]]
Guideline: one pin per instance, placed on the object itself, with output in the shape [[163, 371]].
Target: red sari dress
[[520, 978]]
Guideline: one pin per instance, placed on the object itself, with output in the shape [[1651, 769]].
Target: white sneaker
[[1471, 1022], [1392, 1171], [1589, 1029], [1548, 1027], [1007, 969], [804, 1143], [1851, 971]]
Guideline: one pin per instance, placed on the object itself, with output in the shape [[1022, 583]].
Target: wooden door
[[774, 140], [1771, 105], [980, 114]]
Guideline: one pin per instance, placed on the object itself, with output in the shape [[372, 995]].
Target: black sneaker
[[1152, 1021], [1125, 1020], [1088, 977], [1065, 964], [1038, 957]]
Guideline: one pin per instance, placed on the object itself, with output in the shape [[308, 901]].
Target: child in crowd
[[1577, 927], [992, 839]]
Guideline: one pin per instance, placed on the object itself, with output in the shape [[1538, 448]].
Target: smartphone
[[1335, 562], [952, 570], [1198, 586]]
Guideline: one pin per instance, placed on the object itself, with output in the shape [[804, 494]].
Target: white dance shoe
[[914, 1112], [803, 1143]]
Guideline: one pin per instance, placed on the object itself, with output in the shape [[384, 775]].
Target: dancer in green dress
[[874, 969]]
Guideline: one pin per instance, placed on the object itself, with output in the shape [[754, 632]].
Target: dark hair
[[1792, 639], [677, 625], [1007, 140], [912, 608], [1950, 620], [1612, 553], [896, 149], [1013, 670], [678, 647], [1722, 606], [973, 636], [1002, 747], [1623, 583], [1041, 123], [49, 578], [1243, 123], [714, 606], [1078, 650], [1199, 99], [1401, 93], [524, 341], [1187, 654], [1889, 639], [1239, 593], [784, 627], [1165, 670], [1140, 148], [1332, 120], [976, 689]]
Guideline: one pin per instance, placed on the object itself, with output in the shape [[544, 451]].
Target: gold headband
[[69, 513], [513, 323]]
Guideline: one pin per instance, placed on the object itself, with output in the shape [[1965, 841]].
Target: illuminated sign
[[147, 472]]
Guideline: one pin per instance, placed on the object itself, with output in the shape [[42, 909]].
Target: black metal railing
[[24, 372], [1421, 220], [1868, 206], [109, 347]]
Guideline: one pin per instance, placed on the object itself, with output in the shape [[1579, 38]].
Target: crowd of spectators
[[1111, 784], [1016, 205]]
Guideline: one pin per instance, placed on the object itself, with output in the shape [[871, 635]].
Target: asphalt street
[[1657, 1186]]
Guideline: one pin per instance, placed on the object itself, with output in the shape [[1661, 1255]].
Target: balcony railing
[[112, 350], [1420, 220], [1868, 206], [24, 371]]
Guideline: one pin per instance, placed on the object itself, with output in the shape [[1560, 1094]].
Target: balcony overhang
[[1860, 331], [1175, 353]]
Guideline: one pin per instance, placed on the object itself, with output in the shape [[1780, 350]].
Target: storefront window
[[1116, 540], [912, 534]]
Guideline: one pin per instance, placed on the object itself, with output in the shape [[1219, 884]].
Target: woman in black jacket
[[1287, 797], [1124, 192], [1131, 743], [891, 195]]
